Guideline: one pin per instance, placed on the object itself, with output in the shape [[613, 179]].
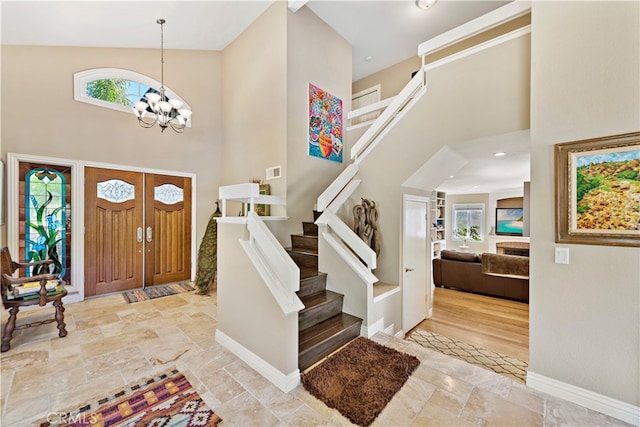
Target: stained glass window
[[45, 219]]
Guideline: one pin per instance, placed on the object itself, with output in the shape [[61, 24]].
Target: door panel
[[113, 213], [168, 216], [414, 255]]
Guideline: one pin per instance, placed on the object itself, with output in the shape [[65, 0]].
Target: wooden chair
[[14, 295]]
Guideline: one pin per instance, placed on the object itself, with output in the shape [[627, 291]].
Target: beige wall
[[249, 313], [477, 96], [585, 83], [266, 72], [254, 72], [394, 78], [40, 116], [309, 60]]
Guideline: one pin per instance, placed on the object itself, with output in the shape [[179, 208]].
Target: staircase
[[322, 326]]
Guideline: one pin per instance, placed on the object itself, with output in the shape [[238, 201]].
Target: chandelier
[[158, 108]]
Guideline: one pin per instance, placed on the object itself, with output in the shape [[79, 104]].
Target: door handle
[[149, 234], [407, 269], [139, 234]]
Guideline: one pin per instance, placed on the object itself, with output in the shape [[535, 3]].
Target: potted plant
[[466, 234]]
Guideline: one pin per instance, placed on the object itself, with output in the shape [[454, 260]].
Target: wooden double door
[[137, 230]]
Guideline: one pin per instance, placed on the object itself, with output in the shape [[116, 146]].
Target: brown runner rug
[[167, 399], [360, 379]]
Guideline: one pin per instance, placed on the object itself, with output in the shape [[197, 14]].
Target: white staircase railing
[[360, 257], [248, 194], [414, 89], [338, 184], [279, 272]]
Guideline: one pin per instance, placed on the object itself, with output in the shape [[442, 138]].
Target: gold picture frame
[[597, 191]]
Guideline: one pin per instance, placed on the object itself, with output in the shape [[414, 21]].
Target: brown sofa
[[497, 275]]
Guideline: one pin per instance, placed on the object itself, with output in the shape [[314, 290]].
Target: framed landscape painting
[[598, 191]]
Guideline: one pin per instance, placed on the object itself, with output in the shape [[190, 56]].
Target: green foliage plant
[[110, 90], [468, 233]]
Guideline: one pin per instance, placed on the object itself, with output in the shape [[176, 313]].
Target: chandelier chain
[[155, 108]]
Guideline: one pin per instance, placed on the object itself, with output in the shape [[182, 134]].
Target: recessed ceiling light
[[368, 58], [499, 153], [424, 4], [451, 176]]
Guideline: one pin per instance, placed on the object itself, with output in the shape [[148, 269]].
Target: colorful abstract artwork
[[325, 124]]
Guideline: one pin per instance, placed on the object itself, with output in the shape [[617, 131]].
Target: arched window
[[116, 88]]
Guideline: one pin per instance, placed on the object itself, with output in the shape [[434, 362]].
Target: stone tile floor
[[112, 343]]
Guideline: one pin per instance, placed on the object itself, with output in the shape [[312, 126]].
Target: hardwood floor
[[492, 323]]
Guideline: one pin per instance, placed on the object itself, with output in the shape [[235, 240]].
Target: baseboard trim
[[371, 330], [589, 399], [284, 382]]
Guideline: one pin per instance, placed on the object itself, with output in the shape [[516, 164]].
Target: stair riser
[[312, 285], [309, 229], [304, 260], [319, 313], [322, 350], [304, 242]]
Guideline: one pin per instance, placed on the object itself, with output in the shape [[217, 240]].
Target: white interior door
[[416, 295]]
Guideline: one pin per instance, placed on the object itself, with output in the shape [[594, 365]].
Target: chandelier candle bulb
[[158, 108]]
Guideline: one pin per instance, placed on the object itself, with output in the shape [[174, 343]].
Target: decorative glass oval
[[116, 191], [168, 194]]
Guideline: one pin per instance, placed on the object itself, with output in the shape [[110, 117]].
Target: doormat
[[360, 379], [167, 399], [510, 367], [157, 292]]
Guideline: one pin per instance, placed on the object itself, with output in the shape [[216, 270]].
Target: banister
[[481, 24], [388, 114], [278, 271], [282, 265], [247, 193], [336, 187], [350, 259], [371, 108], [349, 237]]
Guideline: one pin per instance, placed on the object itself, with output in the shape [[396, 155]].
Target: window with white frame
[[468, 222], [116, 89]]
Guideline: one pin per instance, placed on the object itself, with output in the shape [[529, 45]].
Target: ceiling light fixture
[[425, 4], [158, 108], [499, 154]]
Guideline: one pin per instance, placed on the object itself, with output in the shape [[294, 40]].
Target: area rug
[[508, 366], [360, 379], [157, 291], [166, 399]]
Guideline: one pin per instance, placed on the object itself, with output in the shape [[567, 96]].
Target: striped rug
[[157, 291], [167, 399]]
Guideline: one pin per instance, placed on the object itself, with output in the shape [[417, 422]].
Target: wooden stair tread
[[318, 298], [306, 236], [325, 330], [302, 251]]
